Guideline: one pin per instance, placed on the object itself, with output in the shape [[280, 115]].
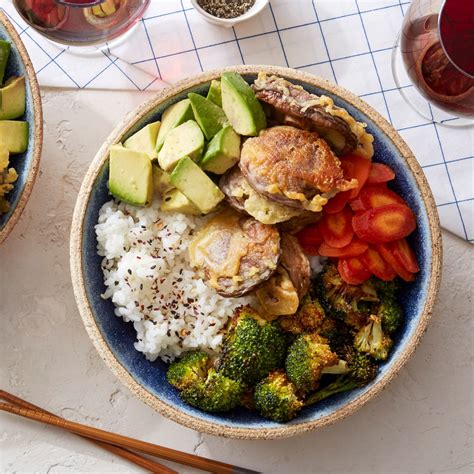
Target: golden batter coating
[[293, 167], [234, 253]]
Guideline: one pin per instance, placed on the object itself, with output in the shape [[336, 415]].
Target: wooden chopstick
[[147, 464], [125, 442]]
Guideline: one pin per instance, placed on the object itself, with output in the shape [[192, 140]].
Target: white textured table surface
[[421, 423]]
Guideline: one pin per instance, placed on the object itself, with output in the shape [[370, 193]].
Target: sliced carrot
[[400, 270], [377, 265], [384, 224], [310, 236], [375, 196], [356, 247], [336, 229], [353, 271], [337, 203], [404, 254], [356, 167], [310, 250], [380, 173]]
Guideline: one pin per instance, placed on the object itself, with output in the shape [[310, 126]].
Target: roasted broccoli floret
[[190, 369], [372, 340], [357, 370], [307, 358], [274, 348], [343, 383], [216, 393], [276, 398], [309, 318], [390, 312], [385, 289], [252, 347], [361, 368], [348, 303]]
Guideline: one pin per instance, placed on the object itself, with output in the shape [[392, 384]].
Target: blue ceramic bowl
[[114, 338], [26, 164]]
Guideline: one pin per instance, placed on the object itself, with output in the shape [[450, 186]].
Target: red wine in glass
[[81, 22], [437, 47]]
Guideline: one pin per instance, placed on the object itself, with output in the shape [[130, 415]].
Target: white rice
[[149, 280]]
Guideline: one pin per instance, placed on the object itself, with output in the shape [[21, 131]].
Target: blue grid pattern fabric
[[345, 41]]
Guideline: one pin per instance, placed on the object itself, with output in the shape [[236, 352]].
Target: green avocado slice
[[194, 183], [130, 176], [14, 135], [210, 117], [13, 98], [244, 111], [145, 140], [223, 151], [4, 54], [214, 93], [172, 117]]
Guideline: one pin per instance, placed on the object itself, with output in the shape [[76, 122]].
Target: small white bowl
[[230, 22]]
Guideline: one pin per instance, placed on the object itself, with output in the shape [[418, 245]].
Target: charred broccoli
[[216, 393], [252, 347], [276, 397], [361, 367], [343, 383], [385, 289], [348, 303], [307, 358], [359, 370], [372, 340], [309, 318], [391, 315], [190, 369]]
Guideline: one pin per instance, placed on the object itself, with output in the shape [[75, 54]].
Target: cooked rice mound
[[149, 280]]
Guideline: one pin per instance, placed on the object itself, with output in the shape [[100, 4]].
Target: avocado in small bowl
[[21, 122], [114, 338]]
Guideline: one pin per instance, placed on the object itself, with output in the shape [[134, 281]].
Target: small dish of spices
[[228, 13]]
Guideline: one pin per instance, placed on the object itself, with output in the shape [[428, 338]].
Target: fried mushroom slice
[[278, 296], [290, 104], [293, 167], [295, 224], [241, 196], [296, 263], [234, 253]]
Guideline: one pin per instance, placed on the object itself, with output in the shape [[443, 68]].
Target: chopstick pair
[[118, 444]]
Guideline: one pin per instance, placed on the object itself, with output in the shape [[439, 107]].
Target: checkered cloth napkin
[[345, 41]]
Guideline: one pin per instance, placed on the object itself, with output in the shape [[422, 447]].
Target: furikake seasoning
[[226, 8]]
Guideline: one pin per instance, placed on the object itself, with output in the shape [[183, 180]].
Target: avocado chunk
[[244, 111], [130, 176], [145, 140], [175, 201], [210, 117], [14, 135], [194, 183], [184, 140], [223, 151], [172, 117], [4, 53], [161, 180], [214, 94], [12, 98]]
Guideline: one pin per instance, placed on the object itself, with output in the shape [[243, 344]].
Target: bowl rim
[[37, 130], [190, 421]]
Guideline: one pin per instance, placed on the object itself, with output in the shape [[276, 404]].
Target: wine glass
[[87, 26], [436, 50]]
